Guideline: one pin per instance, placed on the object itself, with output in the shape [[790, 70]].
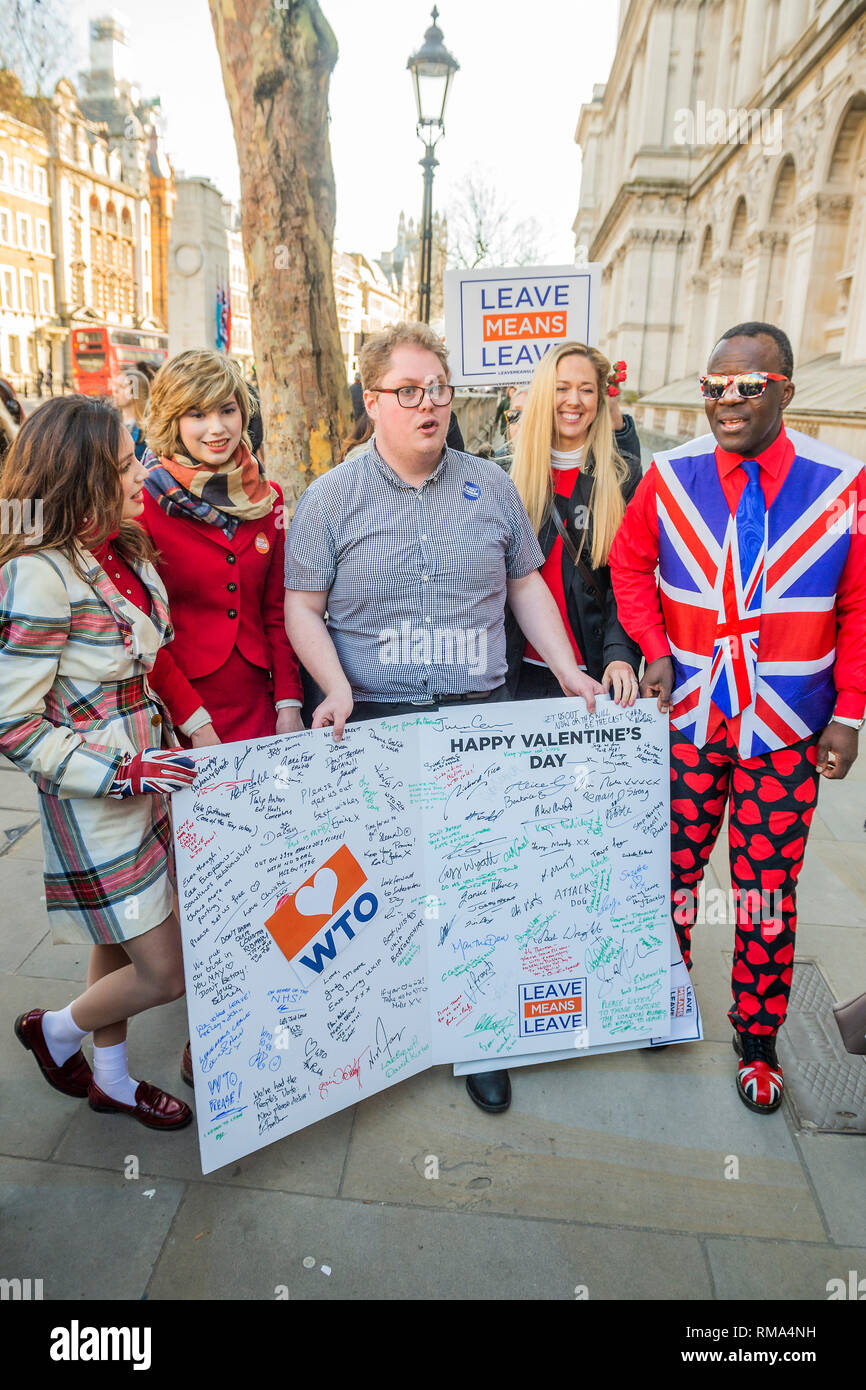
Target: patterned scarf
[[223, 496]]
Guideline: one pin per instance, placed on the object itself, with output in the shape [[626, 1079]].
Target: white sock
[[111, 1073], [62, 1034]]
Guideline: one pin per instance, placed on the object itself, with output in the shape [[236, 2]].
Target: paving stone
[[29, 846], [837, 1167], [87, 1235], [34, 1115], [620, 1147], [55, 962], [17, 792], [843, 808], [759, 1269], [23, 919], [14, 825], [244, 1245]]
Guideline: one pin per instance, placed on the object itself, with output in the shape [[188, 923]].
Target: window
[[40, 183], [15, 354], [42, 239], [20, 174], [4, 169], [8, 290], [5, 228], [24, 231], [27, 300], [45, 294]]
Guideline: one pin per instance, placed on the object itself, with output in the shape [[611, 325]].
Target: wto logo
[[20, 1290], [307, 918]]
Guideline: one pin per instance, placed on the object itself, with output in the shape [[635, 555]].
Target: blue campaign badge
[[471, 491]]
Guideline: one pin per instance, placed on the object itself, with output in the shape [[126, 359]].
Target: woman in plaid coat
[[80, 716]]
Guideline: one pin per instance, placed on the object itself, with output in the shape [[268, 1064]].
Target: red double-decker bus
[[98, 354]]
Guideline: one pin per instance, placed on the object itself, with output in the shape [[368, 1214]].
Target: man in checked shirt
[[413, 538]]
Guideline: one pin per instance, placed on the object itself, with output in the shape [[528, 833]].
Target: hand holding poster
[[483, 884], [500, 322]]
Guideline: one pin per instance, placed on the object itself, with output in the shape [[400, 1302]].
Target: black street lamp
[[432, 69]]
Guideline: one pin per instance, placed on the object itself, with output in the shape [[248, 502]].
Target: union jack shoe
[[759, 1077]]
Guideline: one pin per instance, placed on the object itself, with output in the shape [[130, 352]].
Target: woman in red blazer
[[218, 526]]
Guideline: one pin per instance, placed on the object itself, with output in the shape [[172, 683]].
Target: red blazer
[[224, 594]]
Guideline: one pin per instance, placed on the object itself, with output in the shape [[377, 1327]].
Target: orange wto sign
[[302, 915]]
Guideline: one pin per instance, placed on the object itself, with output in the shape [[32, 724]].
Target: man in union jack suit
[[755, 641]]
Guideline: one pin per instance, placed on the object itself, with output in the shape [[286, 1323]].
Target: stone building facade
[[28, 326], [724, 179]]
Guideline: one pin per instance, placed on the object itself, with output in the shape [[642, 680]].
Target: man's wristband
[[851, 723]]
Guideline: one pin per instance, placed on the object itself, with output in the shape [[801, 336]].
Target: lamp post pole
[[428, 164], [432, 69]]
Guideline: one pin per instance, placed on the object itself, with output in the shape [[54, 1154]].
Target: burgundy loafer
[[186, 1065], [153, 1107], [73, 1078]]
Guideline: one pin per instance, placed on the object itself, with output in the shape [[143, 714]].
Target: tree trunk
[[277, 57]]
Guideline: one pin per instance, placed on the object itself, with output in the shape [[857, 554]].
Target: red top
[[564, 483], [225, 593], [169, 682], [635, 554]]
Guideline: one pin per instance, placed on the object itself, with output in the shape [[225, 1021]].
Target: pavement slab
[[836, 1164], [22, 914], [33, 1116], [86, 1234], [595, 1140], [253, 1245], [759, 1269]]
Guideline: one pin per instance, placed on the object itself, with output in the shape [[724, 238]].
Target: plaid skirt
[[109, 871]]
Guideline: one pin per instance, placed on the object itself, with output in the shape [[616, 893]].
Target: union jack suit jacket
[[768, 638]]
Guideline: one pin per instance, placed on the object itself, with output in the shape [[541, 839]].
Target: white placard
[[301, 898], [500, 321], [549, 862], [488, 882]]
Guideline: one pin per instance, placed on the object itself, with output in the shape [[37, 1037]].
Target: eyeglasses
[[748, 385], [512, 416], [439, 392]]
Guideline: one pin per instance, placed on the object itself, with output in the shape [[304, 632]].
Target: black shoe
[[759, 1077], [490, 1089]]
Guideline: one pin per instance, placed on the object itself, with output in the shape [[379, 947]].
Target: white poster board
[[488, 883], [500, 321]]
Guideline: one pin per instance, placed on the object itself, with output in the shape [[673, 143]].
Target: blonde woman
[[218, 526], [576, 465], [131, 389]]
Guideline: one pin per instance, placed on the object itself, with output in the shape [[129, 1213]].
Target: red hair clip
[[617, 375]]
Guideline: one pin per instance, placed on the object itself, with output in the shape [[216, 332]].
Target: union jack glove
[[154, 772]]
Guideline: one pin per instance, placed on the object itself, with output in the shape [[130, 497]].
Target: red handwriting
[[547, 960], [187, 837], [342, 1074], [452, 775], [453, 1012], [215, 786]]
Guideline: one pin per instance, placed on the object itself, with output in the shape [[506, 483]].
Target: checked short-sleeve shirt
[[416, 577]]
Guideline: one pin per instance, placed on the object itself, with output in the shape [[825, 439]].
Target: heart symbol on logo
[[316, 899]]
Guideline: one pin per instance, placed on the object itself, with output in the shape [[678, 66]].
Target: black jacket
[[600, 636]]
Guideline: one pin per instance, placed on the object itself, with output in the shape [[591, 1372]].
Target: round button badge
[[263, 545]]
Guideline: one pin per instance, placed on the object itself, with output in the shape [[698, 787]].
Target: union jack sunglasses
[[748, 385]]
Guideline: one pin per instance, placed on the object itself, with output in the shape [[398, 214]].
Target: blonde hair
[[195, 380], [139, 393], [531, 471], [375, 357]]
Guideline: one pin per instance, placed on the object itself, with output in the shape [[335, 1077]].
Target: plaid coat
[[74, 658]]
